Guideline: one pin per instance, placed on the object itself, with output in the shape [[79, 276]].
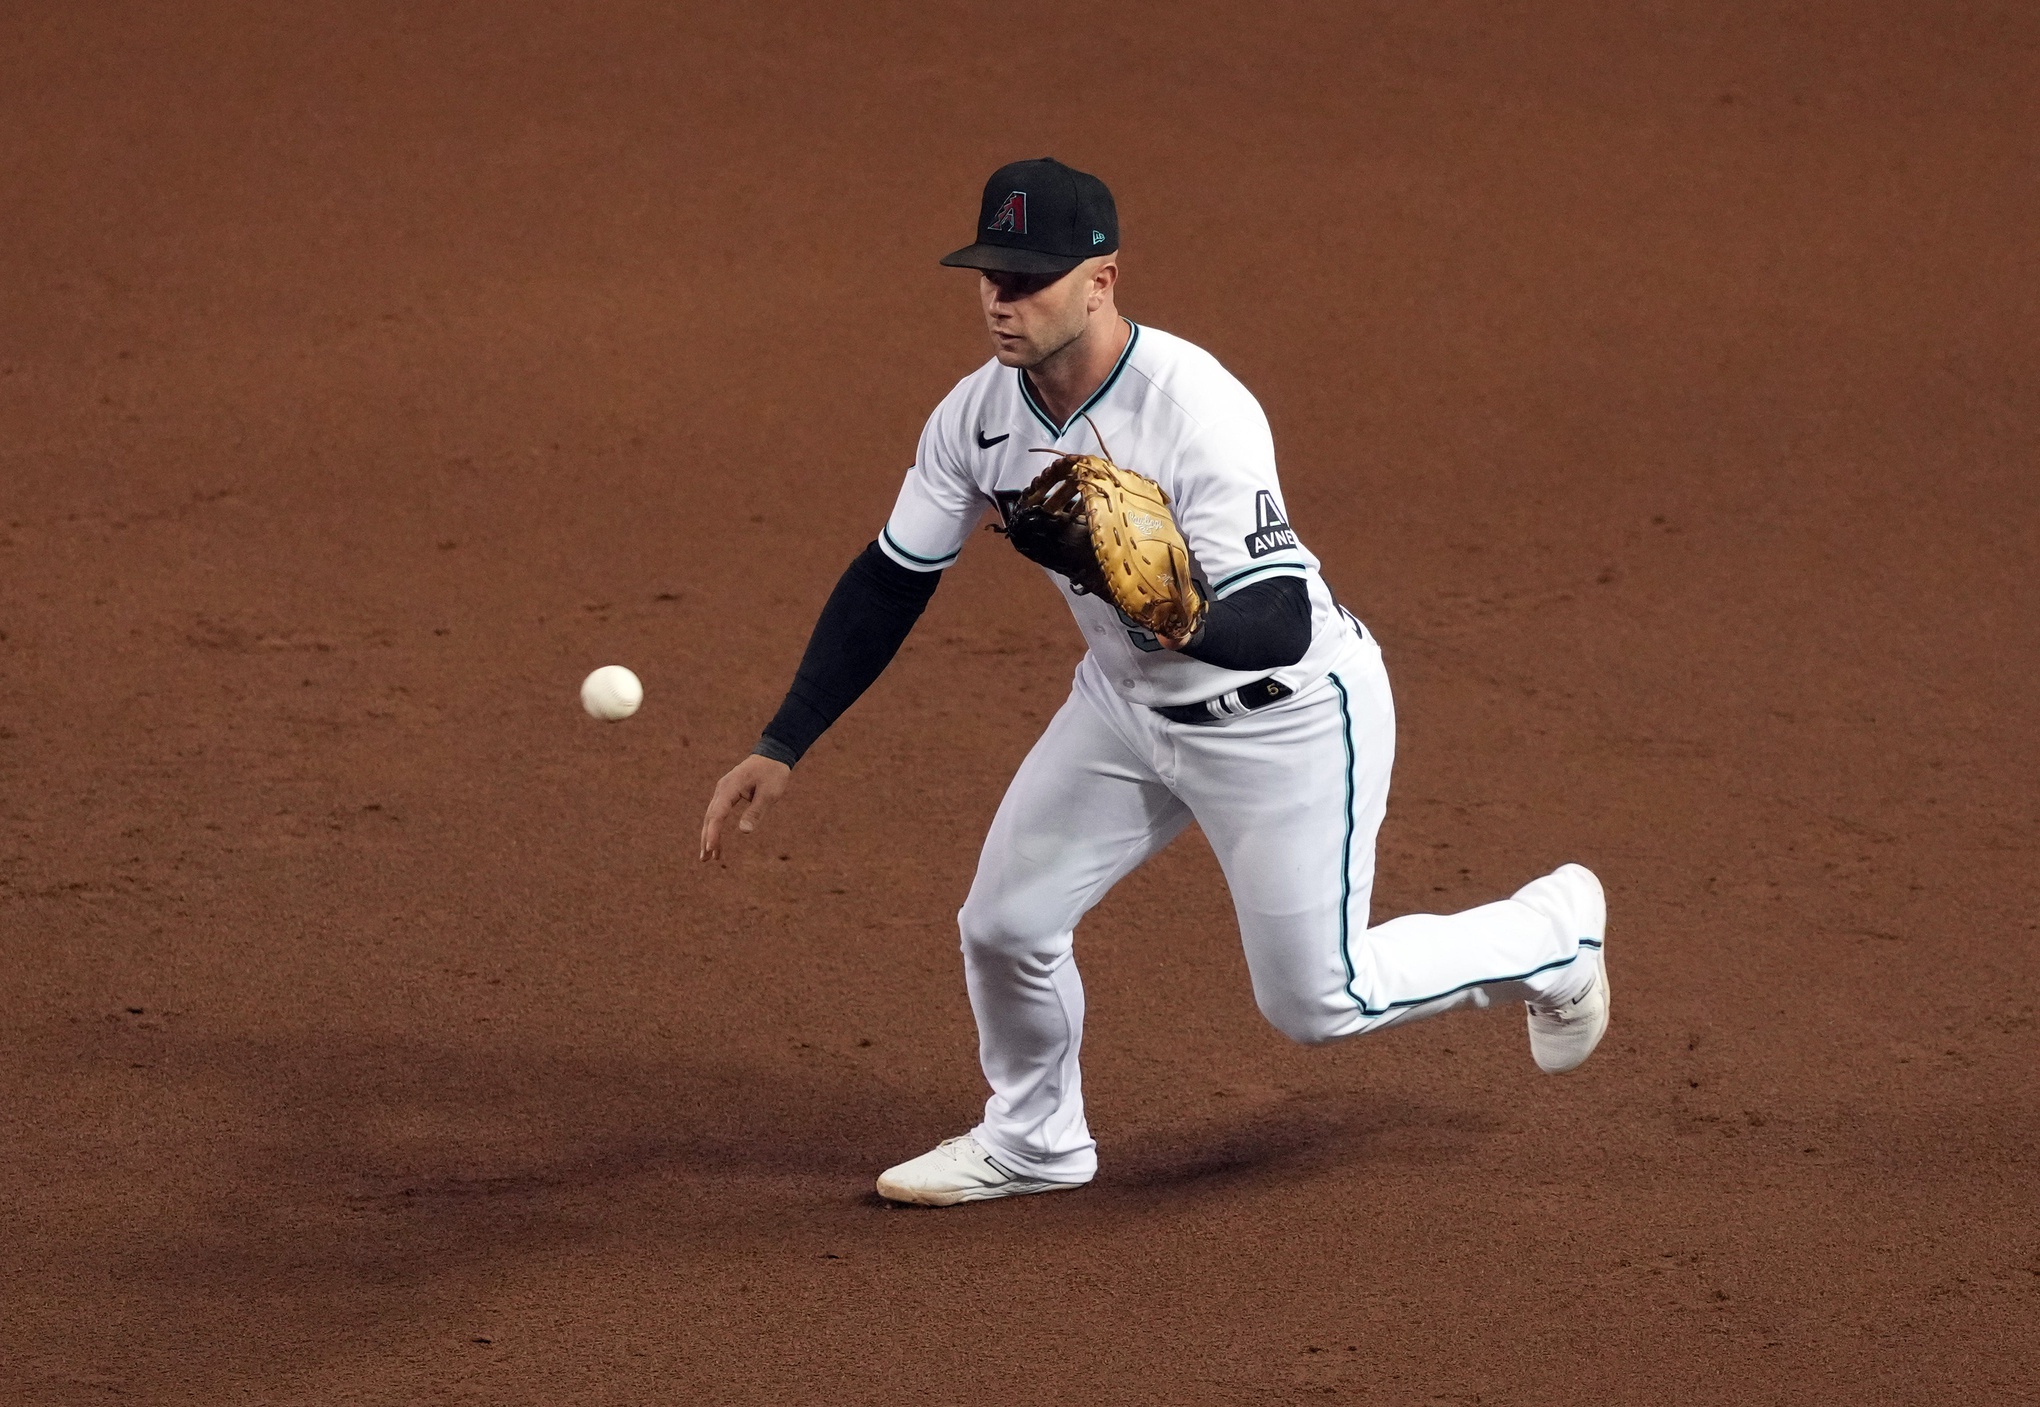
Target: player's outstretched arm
[[753, 785], [861, 628]]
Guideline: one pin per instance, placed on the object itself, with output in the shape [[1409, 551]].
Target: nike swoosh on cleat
[[984, 443]]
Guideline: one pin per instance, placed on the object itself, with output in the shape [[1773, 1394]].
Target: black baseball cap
[[1041, 217]]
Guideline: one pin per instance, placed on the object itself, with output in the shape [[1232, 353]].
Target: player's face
[[1033, 316]]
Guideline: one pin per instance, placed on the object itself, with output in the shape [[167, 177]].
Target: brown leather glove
[[1109, 530]]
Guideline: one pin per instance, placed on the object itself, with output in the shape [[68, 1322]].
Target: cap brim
[[998, 258]]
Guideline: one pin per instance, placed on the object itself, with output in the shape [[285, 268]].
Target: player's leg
[[1082, 812], [1291, 800]]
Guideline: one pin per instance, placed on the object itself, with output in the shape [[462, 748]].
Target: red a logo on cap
[[1012, 216]]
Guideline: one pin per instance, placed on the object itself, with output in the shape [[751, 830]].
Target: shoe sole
[[1607, 987], [920, 1197], [1607, 1014]]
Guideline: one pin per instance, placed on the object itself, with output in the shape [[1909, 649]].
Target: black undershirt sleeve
[[861, 628], [875, 604], [1262, 626]]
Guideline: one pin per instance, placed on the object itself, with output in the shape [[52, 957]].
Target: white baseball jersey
[[1290, 796], [1169, 411]]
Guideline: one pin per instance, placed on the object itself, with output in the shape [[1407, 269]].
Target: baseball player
[[1259, 708]]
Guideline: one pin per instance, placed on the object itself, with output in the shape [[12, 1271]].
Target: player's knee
[[997, 925], [1304, 1022]]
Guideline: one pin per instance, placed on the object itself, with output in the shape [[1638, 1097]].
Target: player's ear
[[1104, 274]]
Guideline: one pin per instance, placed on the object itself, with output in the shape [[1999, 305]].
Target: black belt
[[1244, 699]]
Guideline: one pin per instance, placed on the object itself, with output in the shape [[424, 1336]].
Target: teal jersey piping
[[1346, 848], [1240, 576], [1346, 897], [1027, 394], [894, 544]]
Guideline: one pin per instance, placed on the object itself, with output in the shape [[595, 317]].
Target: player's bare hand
[[751, 786]]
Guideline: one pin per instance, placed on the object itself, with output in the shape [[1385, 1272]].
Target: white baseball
[[612, 693]]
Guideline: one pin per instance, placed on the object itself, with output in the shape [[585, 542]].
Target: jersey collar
[[1055, 430]]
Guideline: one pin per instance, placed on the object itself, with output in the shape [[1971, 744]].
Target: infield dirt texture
[[1658, 381]]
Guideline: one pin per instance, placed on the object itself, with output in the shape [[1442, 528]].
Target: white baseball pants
[[1290, 798]]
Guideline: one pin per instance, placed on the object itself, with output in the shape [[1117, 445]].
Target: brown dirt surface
[[1658, 381]]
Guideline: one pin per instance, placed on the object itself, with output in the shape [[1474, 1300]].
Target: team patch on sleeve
[[1272, 532]]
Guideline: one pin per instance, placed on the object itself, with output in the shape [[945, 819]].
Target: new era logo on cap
[[1012, 216]]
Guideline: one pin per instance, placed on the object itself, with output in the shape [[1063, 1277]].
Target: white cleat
[[1564, 1035], [958, 1170]]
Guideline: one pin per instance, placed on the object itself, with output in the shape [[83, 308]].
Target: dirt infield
[[1658, 384]]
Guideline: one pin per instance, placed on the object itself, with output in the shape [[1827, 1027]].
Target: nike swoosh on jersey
[[984, 443]]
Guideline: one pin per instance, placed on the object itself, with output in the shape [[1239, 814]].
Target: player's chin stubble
[[1029, 349]]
